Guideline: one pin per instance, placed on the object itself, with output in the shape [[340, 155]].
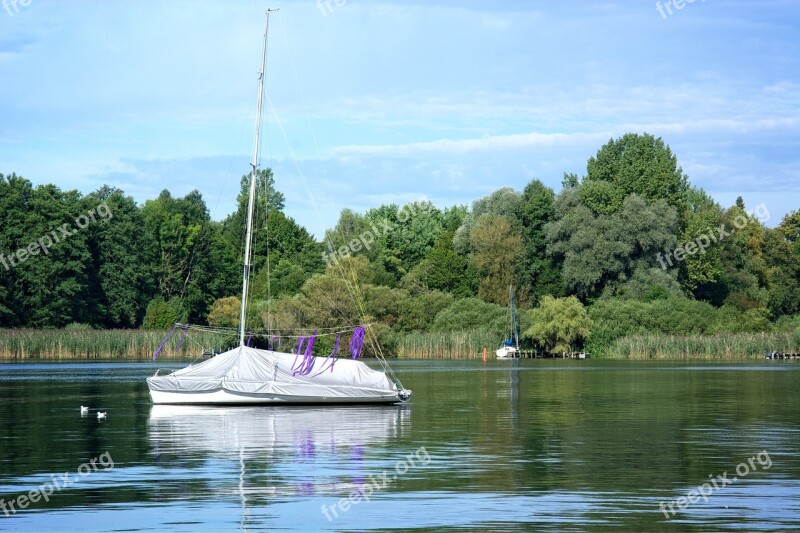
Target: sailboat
[[245, 375], [510, 347]]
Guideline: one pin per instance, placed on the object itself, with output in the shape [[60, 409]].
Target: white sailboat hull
[[224, 397], [507, 352]]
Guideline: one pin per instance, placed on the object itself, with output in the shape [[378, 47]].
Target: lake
[[503, 446]]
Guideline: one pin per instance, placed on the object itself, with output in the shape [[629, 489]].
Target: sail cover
[[251, 371]]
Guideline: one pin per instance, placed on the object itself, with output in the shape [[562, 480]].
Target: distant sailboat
[[510, 347], [246, 375]]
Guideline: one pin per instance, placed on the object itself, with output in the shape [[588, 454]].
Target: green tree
[[701, 272], [349, 228], [267, 199], [602, 252], [496, 248], [505, 202], [745, 271], [445, 270], [417, 313], [404, 235], [782, 257], [46, 272], [194, 263], [123, 257], [559, 324], [613, 318], [176, 227], [638, 164], [225, 312], [473, 314], [790, 229], [286, 255], [162, 314], [329, 301], [539, 273]]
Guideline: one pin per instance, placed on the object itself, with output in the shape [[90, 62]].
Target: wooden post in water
[[484, 354]]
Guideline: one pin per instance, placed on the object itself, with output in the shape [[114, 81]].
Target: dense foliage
[[630, 249]]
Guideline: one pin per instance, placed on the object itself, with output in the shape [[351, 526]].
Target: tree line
[[629, 248]]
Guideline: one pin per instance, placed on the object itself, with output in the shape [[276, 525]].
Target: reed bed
[[104, 344], [721, 346], [449, 345], [18, 344]]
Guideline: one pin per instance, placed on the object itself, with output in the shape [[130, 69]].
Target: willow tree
[[559, 324], [601, 251]]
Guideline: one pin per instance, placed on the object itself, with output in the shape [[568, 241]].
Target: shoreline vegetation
[[629, 260], [66, 344]]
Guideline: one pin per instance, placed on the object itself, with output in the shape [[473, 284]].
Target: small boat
[[510, 347], [249, 376], [246, 375]]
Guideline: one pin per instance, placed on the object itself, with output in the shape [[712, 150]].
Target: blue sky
[[373, 102]]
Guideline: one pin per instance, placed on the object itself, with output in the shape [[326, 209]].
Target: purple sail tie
[[309, 354], [164, 343], [249, 338], [332, 356], [183, 335], [357, 342], [307, 364], [300, 342]]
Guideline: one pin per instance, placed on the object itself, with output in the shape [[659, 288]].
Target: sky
[[373, 102]]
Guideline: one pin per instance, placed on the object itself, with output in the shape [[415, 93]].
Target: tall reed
[[104, 344], [445, 345], [720, 346]]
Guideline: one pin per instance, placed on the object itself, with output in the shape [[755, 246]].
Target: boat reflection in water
[[252, 455], [260, 431]]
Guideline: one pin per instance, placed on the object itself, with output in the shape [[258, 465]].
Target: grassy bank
[[721, 346], [450, 345], [141, 344], [102, 344], [469, 345]]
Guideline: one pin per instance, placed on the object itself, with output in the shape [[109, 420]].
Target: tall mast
[[514, 317], [253, 178]]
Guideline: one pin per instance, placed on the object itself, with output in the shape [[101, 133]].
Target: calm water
[[568, 445]]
